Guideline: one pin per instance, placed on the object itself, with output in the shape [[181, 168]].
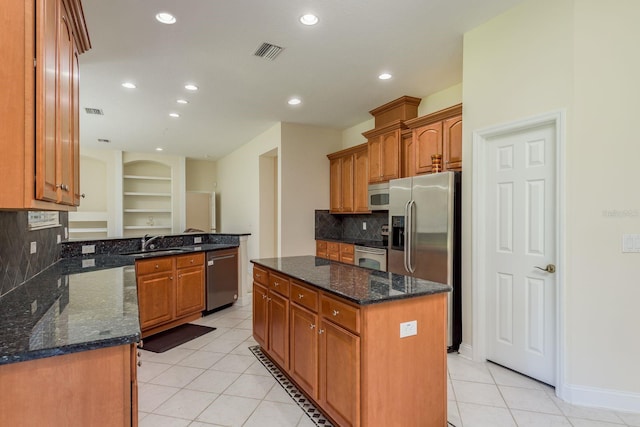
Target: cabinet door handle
[[157, 266], [171, 278], [336, 312], [258, 275], [268, 299], [192, 261], [139, 362], [320, 331], [300, 296], [312, 326], [276, 284], [264, 297], [139, 354]]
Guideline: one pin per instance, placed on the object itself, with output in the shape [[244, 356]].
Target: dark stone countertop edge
[[26, 356], [362, 302]]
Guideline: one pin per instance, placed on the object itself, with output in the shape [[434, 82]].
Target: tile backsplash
[[18, 264], [330, 226]]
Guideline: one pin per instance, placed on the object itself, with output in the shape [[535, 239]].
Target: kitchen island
[[368, 347]]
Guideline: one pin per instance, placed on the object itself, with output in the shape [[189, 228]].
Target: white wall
[[576, 55], [239, 187], [305, 183], [200, 175], [303, 171]]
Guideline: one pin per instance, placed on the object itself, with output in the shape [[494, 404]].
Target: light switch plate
[[408, 329], [630, 243], [33, 248]]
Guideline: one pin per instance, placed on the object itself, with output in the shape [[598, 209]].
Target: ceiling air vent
[[268, 51], [96, 111]]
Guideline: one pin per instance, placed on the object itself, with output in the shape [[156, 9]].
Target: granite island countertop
[[360, 285], [78, 304]]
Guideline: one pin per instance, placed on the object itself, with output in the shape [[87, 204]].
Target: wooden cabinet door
[[361, 181], [427, 140], [303, 365], [408, 155], [390, 146], [346, 183], [64, 152], [335, 185], [278, 327], [340, 374], [46, 101], [260, 315], [155, 299], [452, 142], [321, 249], [189, 290], [375, 159], [76, 125]]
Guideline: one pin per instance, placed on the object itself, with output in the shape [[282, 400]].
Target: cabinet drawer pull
[[258, 275], [191, 261], [300, 296], [157, 266], [170, 277], [336, 312], [312, 326], [139, 354], [139, 362], [276, 284]]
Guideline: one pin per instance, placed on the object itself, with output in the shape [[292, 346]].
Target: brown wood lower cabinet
[[170, 291], [349, 359], [89, 388]]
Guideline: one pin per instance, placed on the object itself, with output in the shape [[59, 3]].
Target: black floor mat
[[163, 341]]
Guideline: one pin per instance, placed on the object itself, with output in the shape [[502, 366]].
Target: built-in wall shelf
[[147, 197], [88, 225]]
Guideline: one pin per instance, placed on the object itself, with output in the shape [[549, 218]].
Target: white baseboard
[[601, 398], [466, 351]]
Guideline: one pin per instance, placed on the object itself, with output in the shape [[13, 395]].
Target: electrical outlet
[[408, 329], [34, 306], [58, 238], [364, 225], [197, 240], [88, 249], [630, 243], [86, 263], [33, 248]]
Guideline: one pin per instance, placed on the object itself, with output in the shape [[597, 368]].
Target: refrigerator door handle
[[411, 268], [405, 250]]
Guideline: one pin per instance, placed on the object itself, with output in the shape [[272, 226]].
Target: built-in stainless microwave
[[379, 197]]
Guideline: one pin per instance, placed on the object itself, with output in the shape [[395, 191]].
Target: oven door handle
[[365, 250]]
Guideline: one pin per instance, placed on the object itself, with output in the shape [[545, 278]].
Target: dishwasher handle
[[212, 260]]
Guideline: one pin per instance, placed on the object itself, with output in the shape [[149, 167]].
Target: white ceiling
[[332, 67]]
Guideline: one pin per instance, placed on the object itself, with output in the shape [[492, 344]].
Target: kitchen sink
[[157, 252]]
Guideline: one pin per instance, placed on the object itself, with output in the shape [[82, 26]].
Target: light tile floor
[[215, 380]]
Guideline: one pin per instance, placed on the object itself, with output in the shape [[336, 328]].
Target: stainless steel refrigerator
[[424, 241]]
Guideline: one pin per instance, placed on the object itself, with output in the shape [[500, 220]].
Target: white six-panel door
[[520, 232]]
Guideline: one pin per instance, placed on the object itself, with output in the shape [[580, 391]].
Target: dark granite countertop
[[77, 304], [362, 286], [358, 242]]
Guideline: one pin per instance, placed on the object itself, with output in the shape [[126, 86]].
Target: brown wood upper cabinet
[[437, 133], [41, 139], [349, 180]]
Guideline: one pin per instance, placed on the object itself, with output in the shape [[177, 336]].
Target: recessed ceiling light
[[159, 149], [129, 85], [384, 76], [174, 114], [190, 87], [166, 18], [294, 101], [309, 19], [182, 101]]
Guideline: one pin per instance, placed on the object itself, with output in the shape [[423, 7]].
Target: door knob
[[549, 269]]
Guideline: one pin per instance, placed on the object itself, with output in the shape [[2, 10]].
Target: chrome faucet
[[147, 242]]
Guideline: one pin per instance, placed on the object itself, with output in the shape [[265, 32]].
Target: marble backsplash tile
[[328, 226], [17, 262]]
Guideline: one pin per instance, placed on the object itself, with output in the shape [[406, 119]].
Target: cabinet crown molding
[[347, 151], [403, 108], [394, 125], [455, 110]]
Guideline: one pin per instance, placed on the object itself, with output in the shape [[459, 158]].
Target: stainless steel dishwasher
[[222, 278]]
